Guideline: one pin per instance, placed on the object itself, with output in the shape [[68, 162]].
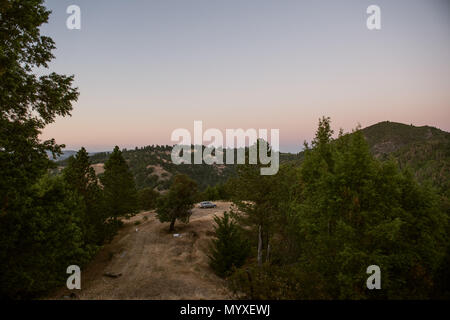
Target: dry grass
[[154, 264], [98, 168]]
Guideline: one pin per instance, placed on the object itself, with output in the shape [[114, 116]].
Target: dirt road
[[153, 264]]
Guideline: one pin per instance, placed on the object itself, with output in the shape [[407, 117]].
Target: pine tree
[[230, 248], [255, 197], [82, 178], [119, 187]]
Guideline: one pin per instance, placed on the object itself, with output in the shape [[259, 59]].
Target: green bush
[[229, 249]]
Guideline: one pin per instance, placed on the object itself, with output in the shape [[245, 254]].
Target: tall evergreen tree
[[229, 248], [119, 187], [82, 178], [255, 197]]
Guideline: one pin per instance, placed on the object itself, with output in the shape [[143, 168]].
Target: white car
[[207, 204]]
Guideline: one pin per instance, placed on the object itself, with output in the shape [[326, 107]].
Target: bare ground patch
[[151, 263]]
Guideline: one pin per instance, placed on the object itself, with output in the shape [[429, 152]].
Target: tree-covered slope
[[425, 150], [387, 137]]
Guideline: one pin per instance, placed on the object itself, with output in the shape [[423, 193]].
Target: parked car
[[207, 204]]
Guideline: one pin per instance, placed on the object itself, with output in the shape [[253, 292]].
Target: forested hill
[[388, 137], [152, 167], [426, 150]]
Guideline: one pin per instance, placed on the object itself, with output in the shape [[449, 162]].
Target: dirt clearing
[[144, 261]]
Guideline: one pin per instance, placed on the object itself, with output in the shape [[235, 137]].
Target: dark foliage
[[230, 248]]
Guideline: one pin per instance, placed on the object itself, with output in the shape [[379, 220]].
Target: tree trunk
[[259, 247], [172, 225]]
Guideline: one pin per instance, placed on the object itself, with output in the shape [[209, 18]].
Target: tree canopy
[[39, 217], [178, 202], [342, 211]]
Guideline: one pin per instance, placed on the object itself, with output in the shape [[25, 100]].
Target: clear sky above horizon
[[146, 68]]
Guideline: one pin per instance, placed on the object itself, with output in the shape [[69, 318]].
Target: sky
[[145, 68]]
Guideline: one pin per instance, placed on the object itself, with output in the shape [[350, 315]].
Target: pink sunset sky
[[146, 68]]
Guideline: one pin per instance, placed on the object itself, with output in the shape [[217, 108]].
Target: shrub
[[229, 249]]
